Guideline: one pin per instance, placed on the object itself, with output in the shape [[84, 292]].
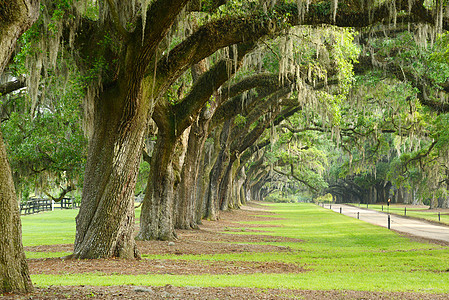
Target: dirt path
[[406, 225]]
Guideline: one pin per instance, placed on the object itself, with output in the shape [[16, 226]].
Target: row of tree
[[228, 101]]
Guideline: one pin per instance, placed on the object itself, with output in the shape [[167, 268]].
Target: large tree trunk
[[216, 175], [15, 18], [210, 153], [156, 219], [105, 223], [237, 198], [14, 275], [225, 186], [232, 195], [187, 202]]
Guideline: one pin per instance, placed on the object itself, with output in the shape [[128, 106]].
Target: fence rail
[[35, 205]]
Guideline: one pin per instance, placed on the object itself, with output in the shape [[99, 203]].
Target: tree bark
[[15, 18], [105, 223], [216, 175], [187, 203], [156, 219], [225, 186], [209, 156], [186, 196], [14, 274]]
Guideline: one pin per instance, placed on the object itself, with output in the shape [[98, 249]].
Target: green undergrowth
[[414, 212], [338, 252]]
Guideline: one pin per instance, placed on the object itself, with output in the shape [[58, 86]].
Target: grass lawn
[[49, 228], [341, 253], [411, 211]]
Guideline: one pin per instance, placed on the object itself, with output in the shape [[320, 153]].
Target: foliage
[[239, 120], [311, 56], [46, 145], [280, 197], [441, 53], [386, 128]]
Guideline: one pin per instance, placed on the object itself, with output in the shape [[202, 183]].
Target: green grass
[[49, 228], [339, 252], [384, 281], [415, 212], [30, 254]]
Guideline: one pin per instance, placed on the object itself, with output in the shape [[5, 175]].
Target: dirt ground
[[212, 237], [192, 292]]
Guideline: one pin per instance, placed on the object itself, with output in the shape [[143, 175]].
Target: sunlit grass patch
[[49, 228], [30, 254]]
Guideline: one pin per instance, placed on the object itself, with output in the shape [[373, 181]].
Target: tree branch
[[298, 130], [420, 155], [62, 194], [234, 106], [116, 20], [394, 71], [292, 174], [12, 86], [189, 108]]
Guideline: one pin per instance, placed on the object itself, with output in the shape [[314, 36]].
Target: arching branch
[[292, 174], [62, 194], [12, 86], [298, 130]]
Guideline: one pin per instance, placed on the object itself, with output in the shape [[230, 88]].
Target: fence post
[[340, 209], [358, 215], [388, 221], [405, 211], [439, 217]]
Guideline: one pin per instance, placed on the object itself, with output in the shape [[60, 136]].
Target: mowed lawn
[[340, 253]]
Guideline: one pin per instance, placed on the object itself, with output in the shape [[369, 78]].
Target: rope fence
[[358, 214]]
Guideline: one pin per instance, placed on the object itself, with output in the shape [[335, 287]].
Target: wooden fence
[[35, 205]]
